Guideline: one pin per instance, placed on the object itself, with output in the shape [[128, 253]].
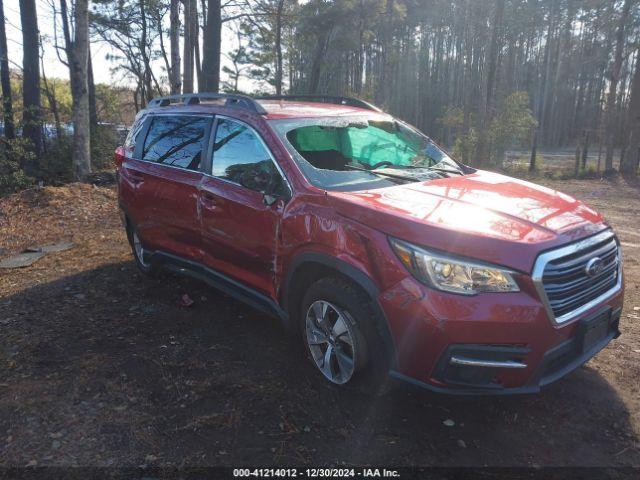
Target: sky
[[99, 50]]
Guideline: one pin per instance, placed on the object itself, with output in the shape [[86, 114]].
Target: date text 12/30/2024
[[315, 473]]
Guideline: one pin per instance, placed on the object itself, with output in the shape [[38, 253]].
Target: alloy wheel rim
[[330, 341], [139, 249]]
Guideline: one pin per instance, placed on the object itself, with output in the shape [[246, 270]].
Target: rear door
[[167, 175], [239, 230], [129, 181]]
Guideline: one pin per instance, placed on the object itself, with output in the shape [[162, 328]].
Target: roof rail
[[336, 100], [231, 100]]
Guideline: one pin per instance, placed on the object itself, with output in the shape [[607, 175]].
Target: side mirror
[[275, 190], [269, 199]]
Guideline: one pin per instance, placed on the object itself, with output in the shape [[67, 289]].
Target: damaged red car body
[[385, 256]]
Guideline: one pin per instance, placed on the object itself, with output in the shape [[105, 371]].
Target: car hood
[[483, 215]]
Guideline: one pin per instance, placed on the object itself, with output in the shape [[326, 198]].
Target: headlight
[[451, 274]]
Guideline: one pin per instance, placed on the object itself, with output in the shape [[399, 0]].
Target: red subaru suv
[[385, 255]]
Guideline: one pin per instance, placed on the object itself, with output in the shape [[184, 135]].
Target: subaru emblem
[[594, 267]]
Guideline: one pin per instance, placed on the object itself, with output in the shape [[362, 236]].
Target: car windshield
[[363, 152]]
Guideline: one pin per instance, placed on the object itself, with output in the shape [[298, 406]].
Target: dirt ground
[[100, 366]]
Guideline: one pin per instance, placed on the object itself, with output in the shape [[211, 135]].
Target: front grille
[[567, 285]]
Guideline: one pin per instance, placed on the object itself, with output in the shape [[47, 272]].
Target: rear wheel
[[341, 339], [140, 255]]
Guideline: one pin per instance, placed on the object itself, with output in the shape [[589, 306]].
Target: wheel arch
[[308, 267], [125, 218]]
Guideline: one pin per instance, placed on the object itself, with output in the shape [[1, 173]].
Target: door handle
[[134, 177]]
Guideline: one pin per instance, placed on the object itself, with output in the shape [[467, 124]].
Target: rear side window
[[176, 140], [134, 133], [240, 157]]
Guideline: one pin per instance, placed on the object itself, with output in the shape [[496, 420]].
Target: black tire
[[146, 267], [369, 353]]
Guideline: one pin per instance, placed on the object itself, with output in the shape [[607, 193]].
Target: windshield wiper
[[381, 172], [446, 170], [437, 169]]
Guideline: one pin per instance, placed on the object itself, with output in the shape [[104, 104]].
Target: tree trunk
[[211, 48], [576, 170], [384, 90], [534, 152], [187, 85], [484, 117], [195, 36], [7, 104], [614, 78], [159, 18], [93, 109], [629, 166], [278, 47], [543, 90], [196, 55], [78, 69], [174, 41], [318, 61], [562, 90], [50, 93], [585, 149], [148, 74], [32, 115]]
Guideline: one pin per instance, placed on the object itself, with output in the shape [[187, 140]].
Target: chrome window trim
[[546, 257], [169, 166], [214, 130]]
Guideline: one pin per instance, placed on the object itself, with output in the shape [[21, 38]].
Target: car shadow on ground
[[104, 368]]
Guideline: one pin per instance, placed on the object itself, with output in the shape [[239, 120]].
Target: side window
[[240, 157], [176, 141], [134, 134]]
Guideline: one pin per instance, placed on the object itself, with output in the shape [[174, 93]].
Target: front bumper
[[557, 362], [489, 344]]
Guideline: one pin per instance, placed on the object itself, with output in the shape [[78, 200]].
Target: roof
[[280, 109], [276, 109]]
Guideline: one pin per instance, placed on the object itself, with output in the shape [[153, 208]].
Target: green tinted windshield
[[369, 144], [362, 152]]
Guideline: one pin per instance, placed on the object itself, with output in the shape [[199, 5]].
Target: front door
[[239, 230]]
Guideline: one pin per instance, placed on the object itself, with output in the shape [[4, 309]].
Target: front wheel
[[339, 332], [334, 344]]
